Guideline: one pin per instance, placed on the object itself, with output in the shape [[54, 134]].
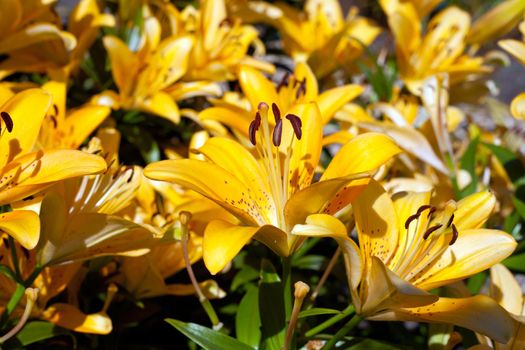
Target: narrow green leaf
[[475, 282], [271, 308], [208, 338], [310, 262], [248, 320], [468, 163], [246, 274], [512, 164], [318, 311], [520, 207], [516, 262], [34, 332]]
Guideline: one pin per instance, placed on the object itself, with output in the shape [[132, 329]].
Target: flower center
[[426, 240], [268, 146]]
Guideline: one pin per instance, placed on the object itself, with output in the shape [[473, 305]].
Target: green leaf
[[310, 262], [271, 308], [34, 332], [468, 163], [318, 311], [515, 262], [475, 282], [510, 161], [248, 320], [246, 274], [208, 338], [520, 207]]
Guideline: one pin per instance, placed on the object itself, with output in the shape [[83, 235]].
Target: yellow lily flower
[[439, 50], [24, 172], [51, 282], [221, 43], [301, 87], [517, 49], [143, 77], [271, 193], [68, 129], [319, 34], [30, 37], [407, 247]]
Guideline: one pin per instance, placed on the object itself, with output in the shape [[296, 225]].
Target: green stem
[[14, 256], [331, 321], [342, 332], [287, 287]]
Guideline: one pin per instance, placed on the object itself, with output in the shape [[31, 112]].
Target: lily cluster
[[155, 151]]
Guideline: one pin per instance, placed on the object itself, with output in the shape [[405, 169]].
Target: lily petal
[[474, 251], [27, 110], [68, 316], [474, 210], [334, 99], [232, 116], [505, 289], [517, 106], [479, 313], [124, 63], [256, 87], [219, 185], [83, 121], [223, 241], [163, 105], [363, 153], [23, 226], [515, 48]]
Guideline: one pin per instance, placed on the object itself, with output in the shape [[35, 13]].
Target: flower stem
[[331, 321], [287, 286], [342, 332], [325, 275], [31, 294], [185, 218]]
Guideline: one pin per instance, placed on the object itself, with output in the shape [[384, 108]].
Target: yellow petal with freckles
[[68, 316], [322, 196], [515, 48], [219, 185], [124, 64], [479, 313], [236, 159], [223, 241], [474, 251], [517, 107], [83, 121], [163, 105], [27, 110], [376, 222], [363, 153], [256, 87], [334, 99], [23, 226], [505, 289], [42, 169], [474, 210]]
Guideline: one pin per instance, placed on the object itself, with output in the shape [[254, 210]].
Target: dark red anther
[[54, 121], [277, 133], [423, 208], [7, 120], [283, 82], [430, 230], [276, 112], [302, 89], [410, 219], [252, 130], [431, 211], [455, 235], [296, 125], [450, 220]]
